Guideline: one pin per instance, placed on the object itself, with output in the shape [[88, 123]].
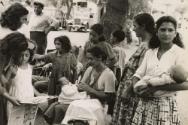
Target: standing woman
[[165, 52], [123, 110], [12, 19], [12, 45]]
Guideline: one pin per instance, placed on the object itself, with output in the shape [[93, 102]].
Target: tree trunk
[[114, 18], [69, 4]]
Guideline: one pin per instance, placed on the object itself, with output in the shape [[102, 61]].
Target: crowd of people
[[100, 86]]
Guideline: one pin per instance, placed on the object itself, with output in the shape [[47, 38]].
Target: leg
[[60, 111], [49, 113]]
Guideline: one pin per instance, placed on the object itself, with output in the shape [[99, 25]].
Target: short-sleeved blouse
[[174, 56]]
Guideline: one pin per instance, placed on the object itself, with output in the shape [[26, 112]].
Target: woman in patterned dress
[[144, 28]]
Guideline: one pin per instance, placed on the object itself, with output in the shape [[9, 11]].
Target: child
[[63, 64], [75, 50], [19, 73], [176, 74], [117, 38]]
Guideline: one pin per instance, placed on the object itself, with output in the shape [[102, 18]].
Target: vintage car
[[77, 25]]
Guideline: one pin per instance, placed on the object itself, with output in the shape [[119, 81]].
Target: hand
[[15, 101], [84, 87], [46, 67], [147, 92], [139, 88]]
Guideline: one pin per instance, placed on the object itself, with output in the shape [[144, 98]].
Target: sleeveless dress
[[21, 86]]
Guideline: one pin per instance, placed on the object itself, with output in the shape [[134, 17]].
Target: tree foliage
[[114, 17], [138, 6]]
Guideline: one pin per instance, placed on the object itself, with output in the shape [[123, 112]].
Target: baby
[[69, 92], [176, 74]]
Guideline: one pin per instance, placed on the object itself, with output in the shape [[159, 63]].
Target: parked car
[[77, 25]]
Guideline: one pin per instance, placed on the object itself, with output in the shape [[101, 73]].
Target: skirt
[[146, 111], [3, 113]]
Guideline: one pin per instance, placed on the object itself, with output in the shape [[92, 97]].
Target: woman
[[12, 45], [98, 81], [144, 28], [164, 53], [63, 64], [96, 38], [12, 19]]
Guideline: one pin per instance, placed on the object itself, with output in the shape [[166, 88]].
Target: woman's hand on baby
[[147, 92], [84, 87]]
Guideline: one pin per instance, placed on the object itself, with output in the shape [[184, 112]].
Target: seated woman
[[98, 81]]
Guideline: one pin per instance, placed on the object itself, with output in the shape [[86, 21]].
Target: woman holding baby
[[157, 102]]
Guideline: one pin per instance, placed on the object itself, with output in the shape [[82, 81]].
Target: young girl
[[19, 73], [63, 64]]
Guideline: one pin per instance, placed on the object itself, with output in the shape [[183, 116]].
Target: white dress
[[21, 86]]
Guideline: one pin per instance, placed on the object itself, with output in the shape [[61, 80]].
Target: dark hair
[[11, 17], [99, 29], [97, 52], [39, 4], [13, 44], [65, 41], [119, 34], [155, 42], [146, 20], [31, 61]]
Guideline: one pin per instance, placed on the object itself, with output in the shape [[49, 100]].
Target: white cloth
[[152, 66], [90, 110], [70, 93], [41, 22]]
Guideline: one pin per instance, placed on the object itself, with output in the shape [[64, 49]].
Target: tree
[[117, 11], [69, 4], [138, 6], [115, 15]]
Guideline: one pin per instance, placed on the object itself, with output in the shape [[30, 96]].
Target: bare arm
[[91, 91], [173, 87], [37, 56]]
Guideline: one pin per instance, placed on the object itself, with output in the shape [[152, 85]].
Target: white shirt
[[151, 64], [174, 56], [121, 56], [41, 22], [105, 82], [5, 32]]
